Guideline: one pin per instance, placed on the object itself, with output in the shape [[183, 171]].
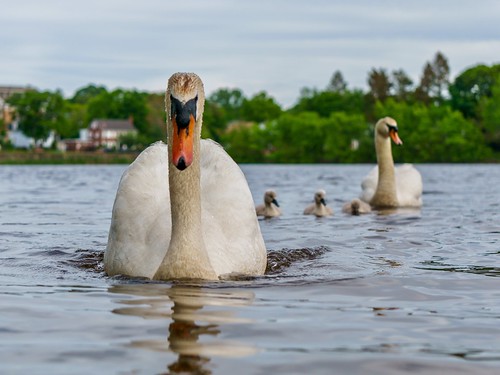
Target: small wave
[[90, 260], [478, 270], [279, 260]]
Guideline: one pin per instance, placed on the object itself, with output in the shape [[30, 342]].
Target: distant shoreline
[[15, 157], [34, 157]]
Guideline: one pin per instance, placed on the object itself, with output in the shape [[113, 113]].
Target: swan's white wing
[[369, 185], [408, 186], [230, 226], [141, 224]]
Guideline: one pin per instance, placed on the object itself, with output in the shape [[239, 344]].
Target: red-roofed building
[[106, 132]]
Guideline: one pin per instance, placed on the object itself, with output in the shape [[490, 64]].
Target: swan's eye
[[392, 127], [195, 106], [191, 106]]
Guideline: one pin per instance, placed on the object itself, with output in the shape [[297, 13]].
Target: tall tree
[[441, 71], [337, 83], [423, 91], [434, 80], [401, 84], [379, 83]]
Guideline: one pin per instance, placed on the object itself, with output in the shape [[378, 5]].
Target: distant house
[[106, 132], [6, 111], [19, 140]]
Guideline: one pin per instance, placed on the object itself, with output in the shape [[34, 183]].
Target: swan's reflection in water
[[196, 315]]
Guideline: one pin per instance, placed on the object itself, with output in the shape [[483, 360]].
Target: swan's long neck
[[187, 256], [385, 195]]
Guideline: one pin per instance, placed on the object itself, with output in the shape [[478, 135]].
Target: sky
[[277, 46]]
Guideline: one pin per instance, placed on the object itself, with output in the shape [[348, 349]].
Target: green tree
[[39, 113], [434, 81], [83, 95], [379, 83], [75, 114], [326, 102], [441, 74], [230, 101], [221, 108], [121, 104], [215, 121], [337, 83], [247, 142], [155, 118], [471, 86], [296, 138], [401, 84], [260, 108], [490, 114], [423, 91], [347, 139]]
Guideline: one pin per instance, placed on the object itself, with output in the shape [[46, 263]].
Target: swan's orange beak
[[182, 144], [393, 133]]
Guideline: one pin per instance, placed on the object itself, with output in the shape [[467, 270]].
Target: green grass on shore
[[17, 157]]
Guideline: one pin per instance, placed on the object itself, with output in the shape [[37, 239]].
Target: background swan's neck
[[187, 256], [385, 195]]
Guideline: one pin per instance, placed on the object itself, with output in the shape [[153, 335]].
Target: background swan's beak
[[395, 137], [275, 202], [323, 202], [182, 144]]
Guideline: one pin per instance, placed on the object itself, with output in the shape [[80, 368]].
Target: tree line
[[441, 120]]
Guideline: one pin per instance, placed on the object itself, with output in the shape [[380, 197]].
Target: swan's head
[[319, 197], [388, 127], [270, 197], [184, 101]]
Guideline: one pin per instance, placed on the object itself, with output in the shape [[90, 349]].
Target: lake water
[[414, 292]]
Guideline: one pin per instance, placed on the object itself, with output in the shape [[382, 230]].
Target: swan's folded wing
[[369, 185], [231, 229], [140, 224], [409, 186]]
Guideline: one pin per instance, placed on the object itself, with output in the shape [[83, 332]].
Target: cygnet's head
[[270, 197], [319, 197]]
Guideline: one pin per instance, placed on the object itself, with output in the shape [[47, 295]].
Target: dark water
[[413, 292]]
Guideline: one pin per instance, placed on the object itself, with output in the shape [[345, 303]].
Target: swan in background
[[319, 207], [184, 210], [386, 186], [270, 208], [356, 207]]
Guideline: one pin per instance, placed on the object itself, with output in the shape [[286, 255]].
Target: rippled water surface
[[388, 293]]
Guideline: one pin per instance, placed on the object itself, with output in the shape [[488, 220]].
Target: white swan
[[270, 208], [386, 186], [319, 207], [184, 210]]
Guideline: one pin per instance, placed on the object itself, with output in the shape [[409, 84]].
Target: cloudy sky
[[279, 46]]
